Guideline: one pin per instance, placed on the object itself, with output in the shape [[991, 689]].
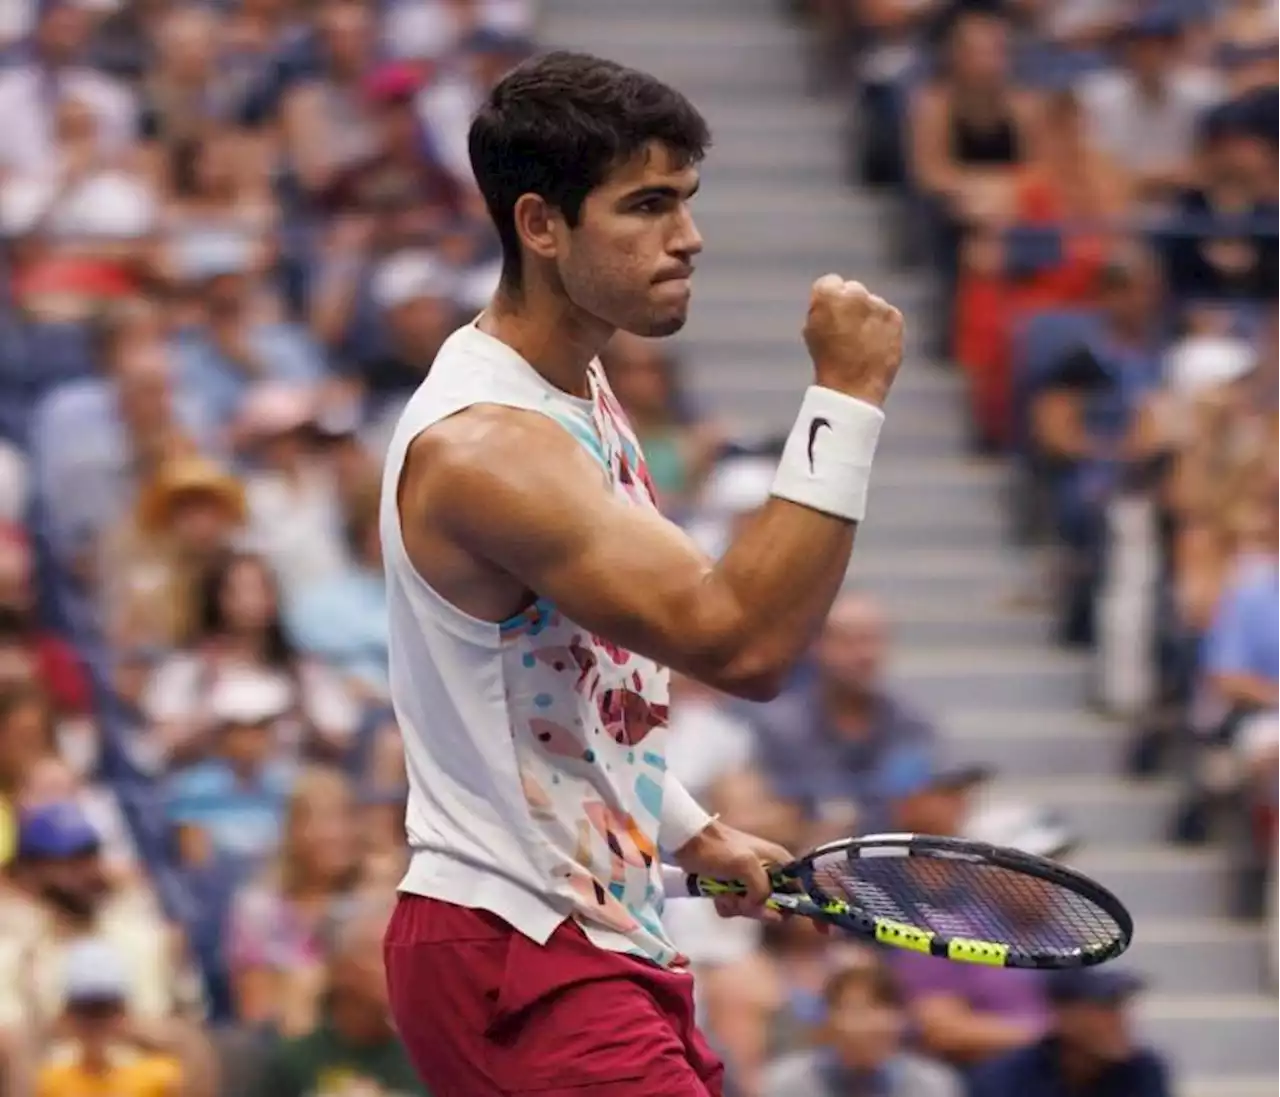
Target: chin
[[658, 327]]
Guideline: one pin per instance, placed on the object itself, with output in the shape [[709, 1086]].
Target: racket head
[[964, 901]]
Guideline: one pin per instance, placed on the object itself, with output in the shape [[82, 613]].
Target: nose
[[688, 240]]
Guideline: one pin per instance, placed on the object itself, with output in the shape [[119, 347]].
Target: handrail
[[1272, 910]]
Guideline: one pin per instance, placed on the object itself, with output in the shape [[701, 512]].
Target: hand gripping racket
[[964, 901]]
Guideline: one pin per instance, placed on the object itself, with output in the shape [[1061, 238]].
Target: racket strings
[[971, 899]]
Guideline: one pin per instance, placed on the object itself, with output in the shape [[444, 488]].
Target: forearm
[[782, 573], [1246, 690], [786, 567]]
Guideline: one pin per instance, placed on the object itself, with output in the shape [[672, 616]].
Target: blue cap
[[1097, 985], [56, 831], [913, 769], [1156, 22], [502, 42]]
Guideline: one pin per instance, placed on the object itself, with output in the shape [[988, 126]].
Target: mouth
[[682, 274]]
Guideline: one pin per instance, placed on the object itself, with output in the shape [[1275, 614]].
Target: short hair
[[557, 124], [875, 977]]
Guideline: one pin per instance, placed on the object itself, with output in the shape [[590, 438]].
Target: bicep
[[519, 493]]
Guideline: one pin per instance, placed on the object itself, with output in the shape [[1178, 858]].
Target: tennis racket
[[961, 900]]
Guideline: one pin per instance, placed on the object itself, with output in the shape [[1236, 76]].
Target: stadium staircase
[[776, 211]]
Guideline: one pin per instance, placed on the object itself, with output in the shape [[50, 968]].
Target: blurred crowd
[[1096, 183], [234, 236]]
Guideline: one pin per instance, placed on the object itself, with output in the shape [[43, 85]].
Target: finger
[[757, 882], [773, 855], [828, 283], [727, 906]]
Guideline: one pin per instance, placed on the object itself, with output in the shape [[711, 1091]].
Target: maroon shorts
[[486, 1012]]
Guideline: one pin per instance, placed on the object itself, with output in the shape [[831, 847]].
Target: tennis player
[[536, 598]]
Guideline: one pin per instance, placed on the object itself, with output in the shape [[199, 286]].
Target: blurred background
[[234, 235]]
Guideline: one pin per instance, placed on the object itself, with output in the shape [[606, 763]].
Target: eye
[[653, 205]]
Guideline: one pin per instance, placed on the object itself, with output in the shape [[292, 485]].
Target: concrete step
[[736, 289], [1103, 810], [994, 678], [1153, 880], [1211, 956], [1264, 1085], [730, 233], [1018, 747], [1212, 1035], [955, 632], [936, 572], [664, 12]]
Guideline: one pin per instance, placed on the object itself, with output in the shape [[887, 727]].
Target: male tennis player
[[536, 597]]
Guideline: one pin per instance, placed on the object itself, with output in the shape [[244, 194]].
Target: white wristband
[[683, 818], [826, 463]]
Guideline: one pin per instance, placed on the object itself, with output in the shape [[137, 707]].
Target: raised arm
[[511, 489]]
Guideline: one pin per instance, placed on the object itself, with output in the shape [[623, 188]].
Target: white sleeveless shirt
[[535, 750]]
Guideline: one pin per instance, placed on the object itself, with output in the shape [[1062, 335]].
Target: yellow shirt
[[131, 1074]]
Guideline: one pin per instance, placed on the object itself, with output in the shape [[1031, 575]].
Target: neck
[[1078, 1070], [356, 1025], [549, 332], [849, 704]]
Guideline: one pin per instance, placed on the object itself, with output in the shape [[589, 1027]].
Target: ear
[[539, 226]]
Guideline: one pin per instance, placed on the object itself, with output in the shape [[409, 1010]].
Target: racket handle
[[678, 884]]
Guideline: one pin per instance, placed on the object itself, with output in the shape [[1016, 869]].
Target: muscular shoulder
[[487, 447]]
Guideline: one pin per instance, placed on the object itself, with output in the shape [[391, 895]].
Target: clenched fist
[[854, 339]]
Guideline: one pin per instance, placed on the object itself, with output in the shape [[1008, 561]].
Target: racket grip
[[678, 884]]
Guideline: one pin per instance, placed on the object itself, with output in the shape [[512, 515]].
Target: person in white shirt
[[1144, 114], [536, 597]]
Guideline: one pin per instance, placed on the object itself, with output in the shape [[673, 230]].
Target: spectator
[[231, 805], [49, 780], [61, 891], [57, 50], [326, 122], [25, 737], [218, 190], [964, 1014], [275, 952], [969, 129], [97, 441], [1242, 653], [1090, 1050], [399, 186], [36, 654], [1050, 256], [826, 743], [1223, 249], [862, 1046], [343, 621], [1145, 113], [79, 223], [295, 516], [239, 632], [181, 97], [354, 1043], [414, 293], [97, 1049], [153, 562], [1092, 420], [678, 451], [237, 340], [450, 98]]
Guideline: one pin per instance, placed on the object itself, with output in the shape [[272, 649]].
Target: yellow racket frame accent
[[967, 951], [901, 935]]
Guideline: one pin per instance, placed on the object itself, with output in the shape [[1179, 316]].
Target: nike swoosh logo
[[815, 426]]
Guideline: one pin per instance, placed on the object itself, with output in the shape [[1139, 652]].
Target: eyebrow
[[661, 191]]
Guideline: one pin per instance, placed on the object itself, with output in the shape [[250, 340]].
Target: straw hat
[[185, 477]]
